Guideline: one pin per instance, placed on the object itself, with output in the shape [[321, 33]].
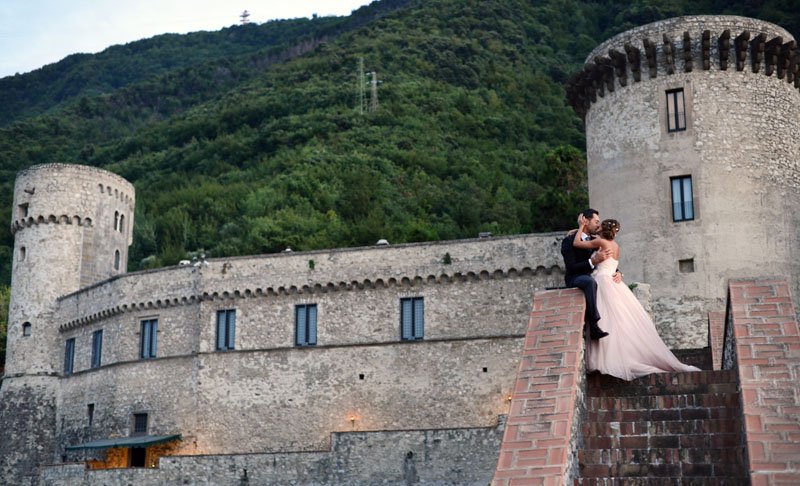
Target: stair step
[[660, 470], [700, 357], [684, 481], [720, 455], [663, 402], [661, 427], [645, 442], [644, 415], [700, 382]]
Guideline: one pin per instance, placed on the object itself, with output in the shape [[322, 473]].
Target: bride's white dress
[[633, 347]]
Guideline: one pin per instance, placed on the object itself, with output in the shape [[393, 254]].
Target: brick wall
[[541, 433], [716, 336], [767, 345]]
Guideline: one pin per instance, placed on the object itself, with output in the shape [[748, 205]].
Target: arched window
[[116, 259], [22, 253], [26, 329], [116, 220], [121, 222]]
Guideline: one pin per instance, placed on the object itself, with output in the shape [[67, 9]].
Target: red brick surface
[[536, 441], [716, 336], [768, 354]]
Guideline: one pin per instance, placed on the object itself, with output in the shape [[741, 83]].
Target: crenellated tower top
[[685, 44]]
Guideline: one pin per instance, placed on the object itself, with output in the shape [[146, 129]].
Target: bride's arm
[[588, 244]]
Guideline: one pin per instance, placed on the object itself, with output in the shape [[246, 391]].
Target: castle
[[389, 364]]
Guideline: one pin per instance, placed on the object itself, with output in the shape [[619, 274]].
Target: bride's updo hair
[[609, 229]]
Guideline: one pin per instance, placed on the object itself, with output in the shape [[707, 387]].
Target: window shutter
[[154, 339], [300, 325], [419, 318], [688, 209], [220, 330], [312, 324], [406, 317], [144, 352], [231, 314]]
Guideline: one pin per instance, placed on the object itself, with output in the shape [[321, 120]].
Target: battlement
[[685, 44]]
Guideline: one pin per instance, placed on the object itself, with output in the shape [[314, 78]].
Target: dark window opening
[[26, 329], [138, 456], [676, 111], [69, 356], [305, 325], [682, 200], [23, 210], [97, 348], [686, 266], [116, 259], [140, 424], [149, 339], [412, 318], [226, 329], [90, 413]]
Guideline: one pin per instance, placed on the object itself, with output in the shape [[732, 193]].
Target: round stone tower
[[72, 226], [692, 144]]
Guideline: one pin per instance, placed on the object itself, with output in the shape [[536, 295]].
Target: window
[[23, 210], [116, 259], [121, 223], [412, 318], [90, 413], [116, 220], [149, 342], [226, 329], [22, 253], [97, 348], [140, 424], [69, 356], [682, 202], [26, 329], [676, 111], [305, 325]]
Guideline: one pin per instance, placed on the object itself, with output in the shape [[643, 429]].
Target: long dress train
[[633, 347]]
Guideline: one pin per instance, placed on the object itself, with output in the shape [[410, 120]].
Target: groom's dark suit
[[578, 273]]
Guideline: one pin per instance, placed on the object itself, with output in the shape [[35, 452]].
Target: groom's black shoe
[[595, 332]]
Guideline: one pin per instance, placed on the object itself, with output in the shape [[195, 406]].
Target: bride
[[633, 347]]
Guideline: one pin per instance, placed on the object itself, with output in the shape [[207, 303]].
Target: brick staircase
[[664, 429]]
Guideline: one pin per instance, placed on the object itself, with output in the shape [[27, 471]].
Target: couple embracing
[[624, 341]]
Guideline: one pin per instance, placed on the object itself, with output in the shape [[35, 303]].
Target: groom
[[579, 264]]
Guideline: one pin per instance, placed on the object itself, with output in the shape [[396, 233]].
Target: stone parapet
[[542, 434], [762, 323]]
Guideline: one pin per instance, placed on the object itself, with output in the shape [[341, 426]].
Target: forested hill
[[256, 143], [237, 51]]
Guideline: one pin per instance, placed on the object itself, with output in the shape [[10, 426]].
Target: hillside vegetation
[[250, 139]]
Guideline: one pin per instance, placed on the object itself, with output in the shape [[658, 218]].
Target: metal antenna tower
[[373, 93], [243, 17]]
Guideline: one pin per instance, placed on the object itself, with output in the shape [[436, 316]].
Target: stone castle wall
[[267, 394]]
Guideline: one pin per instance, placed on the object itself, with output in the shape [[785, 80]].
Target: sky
[[34, 33]]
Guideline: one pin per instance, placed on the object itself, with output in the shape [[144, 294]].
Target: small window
[[412, 318], [116, 220], [69, 356], [22, 253], [26, 329], [90, 413], [682, 200], [149, 339], [226, 329], [23, 210], [121, 223], [305, 325], [140, 424], [676, 111], [97, 348], [116, 259]]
